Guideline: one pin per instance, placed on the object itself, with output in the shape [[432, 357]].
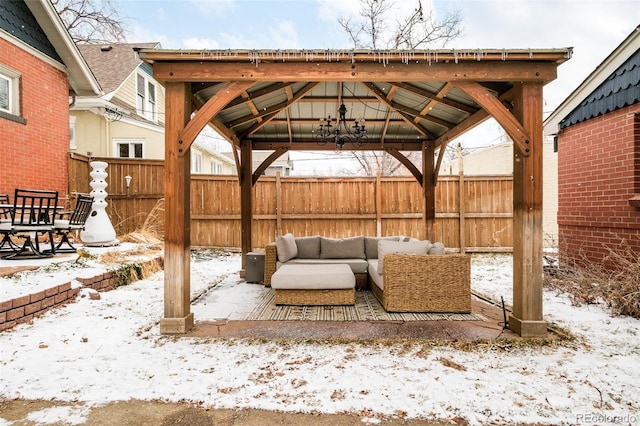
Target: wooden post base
[[176, 325], [525, 328]]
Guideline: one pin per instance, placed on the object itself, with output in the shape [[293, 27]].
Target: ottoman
[[326, 284]]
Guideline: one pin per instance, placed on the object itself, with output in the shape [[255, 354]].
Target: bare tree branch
[[91, 21], [372, 29]]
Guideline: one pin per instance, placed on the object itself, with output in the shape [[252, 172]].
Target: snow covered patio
[[94, 352]]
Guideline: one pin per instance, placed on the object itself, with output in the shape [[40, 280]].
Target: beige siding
[[96, 135], [91, 134], [127, 92], [153, 139]]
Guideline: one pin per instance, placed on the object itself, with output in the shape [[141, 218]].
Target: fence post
[[278, 191], [462, 211], [378, 194]]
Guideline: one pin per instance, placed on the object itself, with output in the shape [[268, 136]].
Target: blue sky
[[592, 28]]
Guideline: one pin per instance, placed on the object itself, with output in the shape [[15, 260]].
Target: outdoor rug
[[366, 308]]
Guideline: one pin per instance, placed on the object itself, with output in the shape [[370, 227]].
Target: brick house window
[[146, 98], [9, 93], [129, 148]]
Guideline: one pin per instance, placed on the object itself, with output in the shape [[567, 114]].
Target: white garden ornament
[[98, 230]]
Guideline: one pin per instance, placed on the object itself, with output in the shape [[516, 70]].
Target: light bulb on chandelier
[[340, 133]]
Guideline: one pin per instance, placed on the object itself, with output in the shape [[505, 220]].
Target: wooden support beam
[[407, 163], [266, 163], [372, 145], [497, 109], [429, 190], [527, 319], [405, 113], [177, 240], [208, 111], [346, 71], [290, 101], [246, 198]]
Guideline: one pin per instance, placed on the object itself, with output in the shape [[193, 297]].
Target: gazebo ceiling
[[405, 98]]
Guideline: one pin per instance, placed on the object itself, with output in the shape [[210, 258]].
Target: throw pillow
[[342, 248], [371, 245], [437, 248], [308, 247], [286, 247], [395, 247]]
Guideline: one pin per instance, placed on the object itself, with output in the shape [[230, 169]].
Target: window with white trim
[[216, 167], [129, 148], [146, 97], [72, 132], [9, 91], [196, 161]]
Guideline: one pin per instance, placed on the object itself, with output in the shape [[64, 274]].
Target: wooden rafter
[[406, 162], [500, 112], [258, 93], [299, 95], [266, 163], [437, 98], [289, 97], [274, 108], [382, 98], [209, 110]]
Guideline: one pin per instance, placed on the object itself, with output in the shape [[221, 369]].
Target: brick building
[[598, 141], [41, 72]]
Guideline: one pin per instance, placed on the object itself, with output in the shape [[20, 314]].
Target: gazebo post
[[177, 241], [526, 319], [429, 189], [246, 197]]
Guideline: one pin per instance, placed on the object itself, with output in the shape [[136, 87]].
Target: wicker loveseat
[[408, 279]]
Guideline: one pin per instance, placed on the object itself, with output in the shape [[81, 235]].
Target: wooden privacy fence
[[473, 214]]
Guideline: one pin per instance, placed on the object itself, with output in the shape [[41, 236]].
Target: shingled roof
[[620, 89], [113, 63]]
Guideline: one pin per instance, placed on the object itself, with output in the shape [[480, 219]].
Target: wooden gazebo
[[409, 100]]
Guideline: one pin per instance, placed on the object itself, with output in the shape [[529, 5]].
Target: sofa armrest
[[270, 261], [427, 283]]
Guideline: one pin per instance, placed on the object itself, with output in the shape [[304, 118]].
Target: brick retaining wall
[[25, 308]]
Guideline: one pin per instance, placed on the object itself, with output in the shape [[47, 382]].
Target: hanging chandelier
[[340, 133]]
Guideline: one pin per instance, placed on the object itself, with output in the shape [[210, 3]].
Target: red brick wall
[[34, 155], [598, 171]]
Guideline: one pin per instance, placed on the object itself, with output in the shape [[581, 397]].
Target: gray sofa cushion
[[286, 247], [371, 245], [308, 247], [436, 248], [342, 248], [393, 247], [375, 277]]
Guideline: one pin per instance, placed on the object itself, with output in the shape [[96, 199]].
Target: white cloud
[[283, 35], [143, 35], [200, 43]]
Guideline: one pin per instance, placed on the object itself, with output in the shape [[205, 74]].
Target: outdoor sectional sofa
[[405, 274]]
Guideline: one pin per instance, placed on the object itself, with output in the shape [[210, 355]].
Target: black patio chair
[[33, 214], [5, 212], [6, 244], [75, 221]]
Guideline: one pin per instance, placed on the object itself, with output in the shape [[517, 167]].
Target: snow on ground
[[98, 351]]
